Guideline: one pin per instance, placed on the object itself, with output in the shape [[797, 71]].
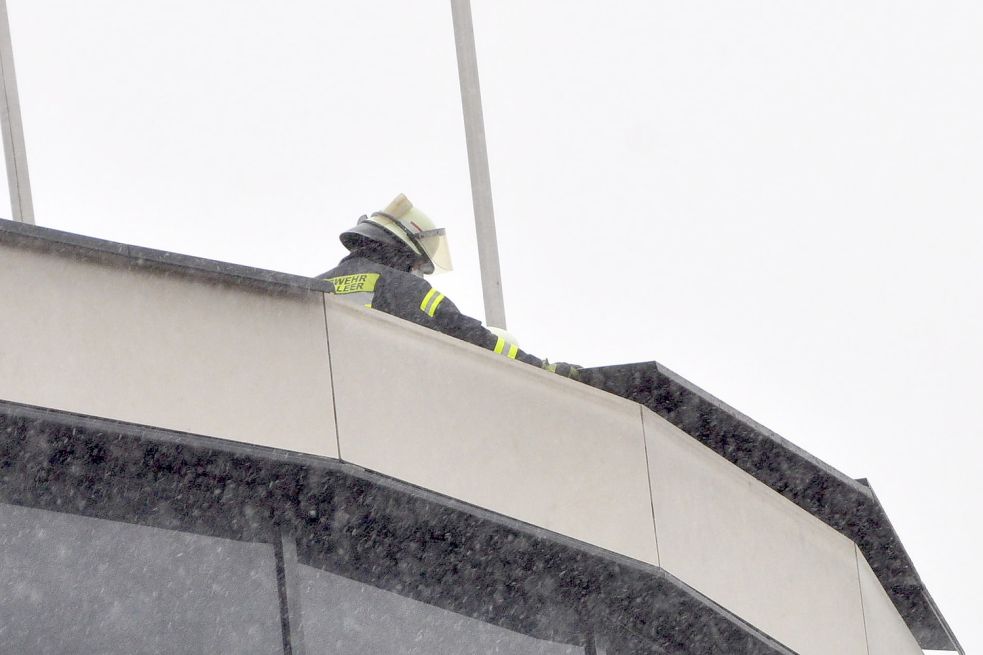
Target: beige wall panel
[[751, 550], [165, 350], [463, 421], [887, 633]]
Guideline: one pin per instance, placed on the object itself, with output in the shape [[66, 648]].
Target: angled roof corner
[[847, 505]]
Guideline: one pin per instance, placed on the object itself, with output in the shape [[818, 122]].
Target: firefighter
[[390, 252]]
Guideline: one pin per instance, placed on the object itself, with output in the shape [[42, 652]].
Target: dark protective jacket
[[371, 284]]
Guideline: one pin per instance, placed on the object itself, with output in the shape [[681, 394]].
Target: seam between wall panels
[[860, 589], [648, 476], [334, 396]]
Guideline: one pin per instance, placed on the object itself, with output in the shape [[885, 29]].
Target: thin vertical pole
[[288, 585], [474, 130], [21, 204]]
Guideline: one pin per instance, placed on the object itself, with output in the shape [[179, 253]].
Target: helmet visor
[[434, 245], [431, 244]]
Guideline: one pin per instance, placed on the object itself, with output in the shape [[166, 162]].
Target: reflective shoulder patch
[[357, 283], [430, 302]]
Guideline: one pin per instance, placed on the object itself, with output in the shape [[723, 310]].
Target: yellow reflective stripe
[[433, 307], [430, 302], [513, 349], [426, 299], [357, 298]]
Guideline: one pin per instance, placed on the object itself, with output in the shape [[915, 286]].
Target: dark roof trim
[[99, 249], [848, 505], [661, 603]]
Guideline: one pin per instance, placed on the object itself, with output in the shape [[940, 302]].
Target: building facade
[[202, 457]]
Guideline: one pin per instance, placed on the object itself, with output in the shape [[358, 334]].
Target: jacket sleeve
[[449, 320], [412, 298]]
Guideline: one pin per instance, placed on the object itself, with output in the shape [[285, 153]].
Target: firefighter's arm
[[452, 322], [449, 320]]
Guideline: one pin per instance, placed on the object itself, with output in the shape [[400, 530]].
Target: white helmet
[[410, 226]]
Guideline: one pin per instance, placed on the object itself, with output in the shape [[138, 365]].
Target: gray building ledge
[[850, 506], [76, 245]]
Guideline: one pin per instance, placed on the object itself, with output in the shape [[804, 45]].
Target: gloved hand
[[571, 371]]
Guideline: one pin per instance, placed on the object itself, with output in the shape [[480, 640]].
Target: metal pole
[[288, 584], [21, 204], [474, 130]]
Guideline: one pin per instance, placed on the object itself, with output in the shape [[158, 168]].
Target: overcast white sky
[[779, 200]]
